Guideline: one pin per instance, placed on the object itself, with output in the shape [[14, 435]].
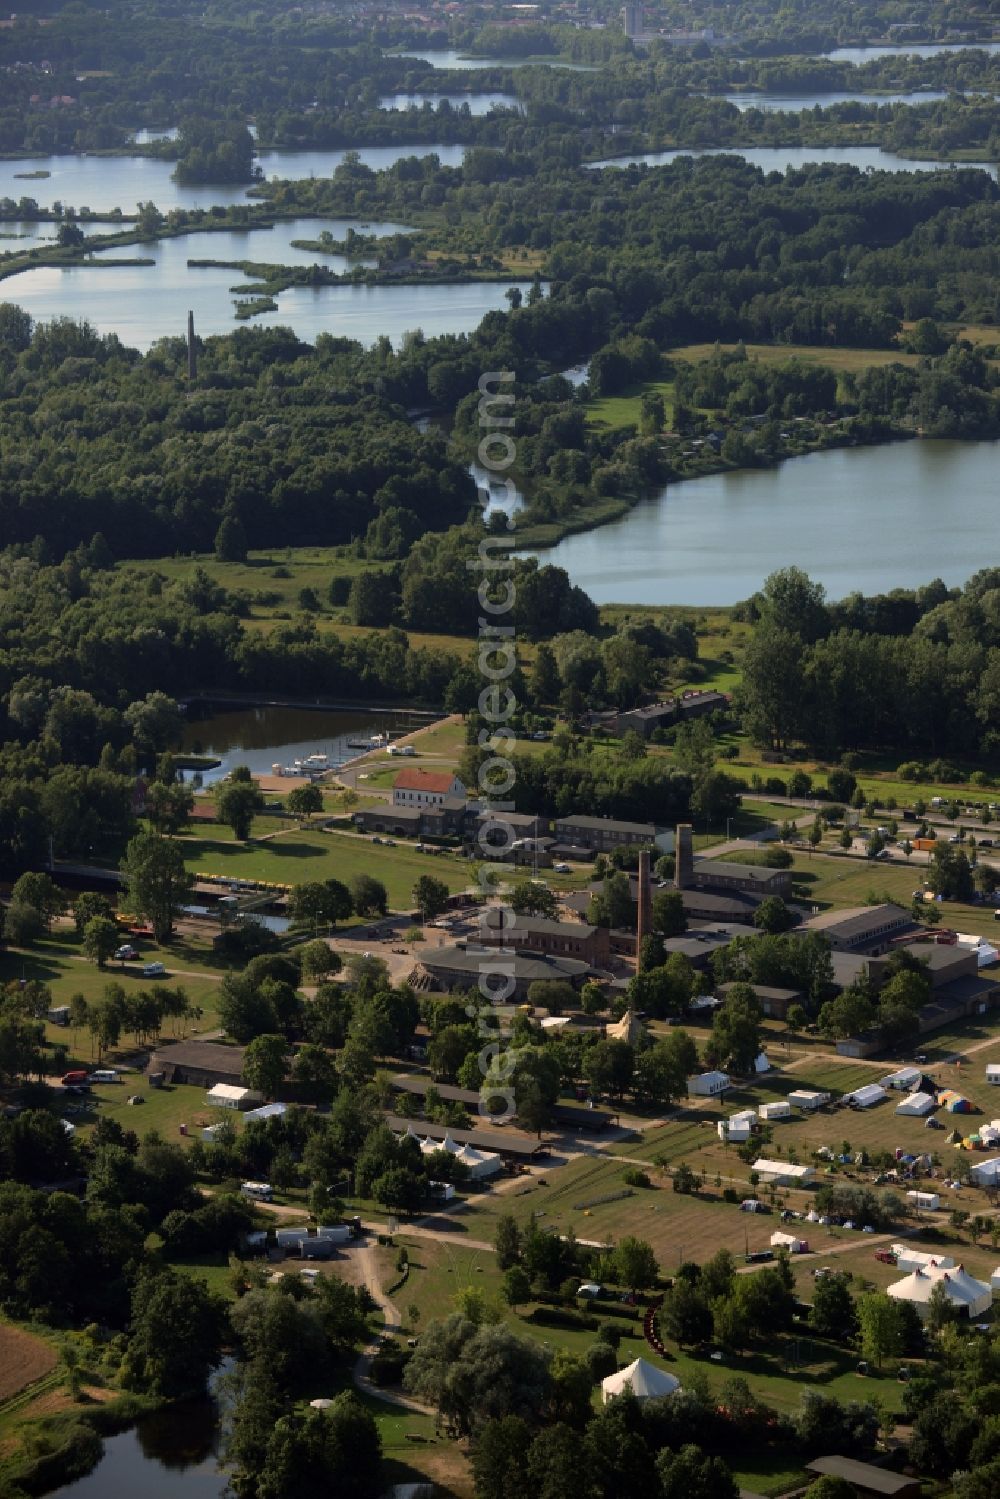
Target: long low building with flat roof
[[569, 1115], [871, 930], [511, 1143], [603, 834], [784, 1173]]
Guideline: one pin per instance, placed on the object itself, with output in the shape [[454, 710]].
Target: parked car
[[126, 952], [561, 868], [153, 970]]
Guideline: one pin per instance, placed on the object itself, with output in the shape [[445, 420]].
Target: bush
[[556, 1316], [637, 1178], [607, 1332], [601, 1360]]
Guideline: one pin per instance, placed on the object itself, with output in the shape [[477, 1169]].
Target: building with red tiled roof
[[425, 788]]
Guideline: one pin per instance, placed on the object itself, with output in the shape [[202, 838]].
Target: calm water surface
[[102, 183], [451, 57], [144, 303], [170, 1453], [855, 518], [914, 49], [479, 104], [781, 158], [793, 103], [268, 735]]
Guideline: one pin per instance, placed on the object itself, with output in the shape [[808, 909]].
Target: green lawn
[[313, 854], [625, 410], [163, 1109]]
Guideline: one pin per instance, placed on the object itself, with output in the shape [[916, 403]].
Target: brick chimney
[[644, 921], [684, 856]]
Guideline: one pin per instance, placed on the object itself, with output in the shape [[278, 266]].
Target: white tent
[[904, 1078], [917, 1103], [762, 1064], [644, 1380], [864, 1097], [788, 1241], [806, 1098], [986, 951], [995, 1279], [917, 1259], [480, 1162], [986, 1173], [974, 1297]]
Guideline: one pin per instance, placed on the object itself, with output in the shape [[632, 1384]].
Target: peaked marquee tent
[[974, 1297], [645, 1381]]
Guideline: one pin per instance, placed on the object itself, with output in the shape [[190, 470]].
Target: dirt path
[[393, 1322]]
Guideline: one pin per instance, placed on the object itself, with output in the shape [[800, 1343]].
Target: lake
[[478, 104], [451, 57], [914, 49], [793, 103], [853, 518], [781, 158], [271, 734], [144, 303], [102, 183]]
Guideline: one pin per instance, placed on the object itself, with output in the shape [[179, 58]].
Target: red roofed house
[[425, 788]]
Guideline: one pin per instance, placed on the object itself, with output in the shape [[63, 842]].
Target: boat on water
[[373, 741]]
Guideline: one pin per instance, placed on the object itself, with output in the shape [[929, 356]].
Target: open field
[[314, 854], [625, 410], [163, 1109], [834, 359], [24, 1358]]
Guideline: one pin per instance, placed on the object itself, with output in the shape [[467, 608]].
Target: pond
[[272, 734], [782, 158], [855, 518], [103, 183], [478, 104], [144, 303], [164, 1454]]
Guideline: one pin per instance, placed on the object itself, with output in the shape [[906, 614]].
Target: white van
[[258, 1191], [153, 970], [106, 1075]]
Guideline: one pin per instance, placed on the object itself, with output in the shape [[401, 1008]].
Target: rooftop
[[510, 1142], [864, 1475], [857, 920], [520, 965], [598, 824], [413, 779], [209, 1055]]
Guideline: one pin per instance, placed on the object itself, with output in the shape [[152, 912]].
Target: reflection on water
[[263, 736], [146, 1462]]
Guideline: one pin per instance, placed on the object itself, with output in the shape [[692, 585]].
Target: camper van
[[106, 1075], [257, 1191]]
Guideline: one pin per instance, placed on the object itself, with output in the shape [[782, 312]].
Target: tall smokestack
[[192, 351], [684, 856], [644, 921]]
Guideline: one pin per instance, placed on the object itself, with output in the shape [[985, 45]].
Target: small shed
[[782, 1110], [928, 1202]]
